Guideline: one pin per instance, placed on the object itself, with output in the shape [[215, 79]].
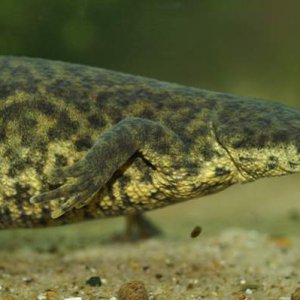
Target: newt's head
[[262, 138]]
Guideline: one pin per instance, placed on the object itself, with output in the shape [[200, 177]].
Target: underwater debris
[[196, 232]]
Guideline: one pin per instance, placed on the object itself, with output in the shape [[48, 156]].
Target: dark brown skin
[[78, 142]]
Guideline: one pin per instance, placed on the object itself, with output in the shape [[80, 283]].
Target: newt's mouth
[[256, 163], [293, 168]]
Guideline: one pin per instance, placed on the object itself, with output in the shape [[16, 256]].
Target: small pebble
[[91, 269], [94, 281], [146, 268], [42, 297], [248, 292], [296, 294], [196, 232], [241, 296], [27, 280], [134, 290]]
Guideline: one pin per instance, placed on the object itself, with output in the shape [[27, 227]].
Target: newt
[[79, 143]]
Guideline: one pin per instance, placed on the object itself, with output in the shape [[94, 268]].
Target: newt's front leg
[[156, 143]]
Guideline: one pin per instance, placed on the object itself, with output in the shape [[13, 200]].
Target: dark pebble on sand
[[94, 281]]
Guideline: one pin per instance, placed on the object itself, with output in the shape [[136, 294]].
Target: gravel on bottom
[[235, 264]]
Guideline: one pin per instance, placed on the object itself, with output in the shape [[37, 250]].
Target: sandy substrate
[[249, 249]]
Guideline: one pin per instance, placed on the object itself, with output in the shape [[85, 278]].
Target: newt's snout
[[262, 138]]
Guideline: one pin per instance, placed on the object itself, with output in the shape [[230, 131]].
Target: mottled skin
[[78, 142]]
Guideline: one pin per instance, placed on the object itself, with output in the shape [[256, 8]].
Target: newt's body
[[109, 144]]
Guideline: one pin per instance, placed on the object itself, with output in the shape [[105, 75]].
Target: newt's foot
[[138, 227]]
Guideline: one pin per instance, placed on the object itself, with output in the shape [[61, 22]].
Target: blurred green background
[[246, 47], [251, 48]]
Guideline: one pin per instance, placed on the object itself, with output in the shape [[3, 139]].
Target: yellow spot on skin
[[31, 178], [65, 148], [17, 98]]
